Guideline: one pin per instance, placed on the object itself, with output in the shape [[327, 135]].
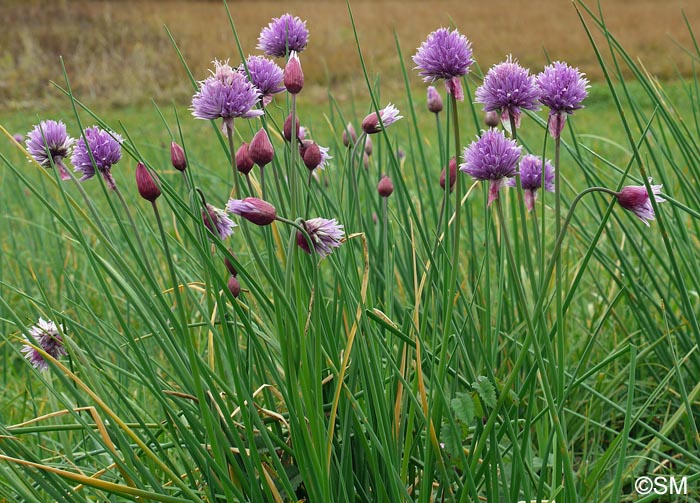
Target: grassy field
[[426, 359]]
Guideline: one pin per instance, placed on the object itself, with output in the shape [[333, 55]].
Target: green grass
[[340, 379]]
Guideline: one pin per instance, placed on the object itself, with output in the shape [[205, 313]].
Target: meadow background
[[632, 362]]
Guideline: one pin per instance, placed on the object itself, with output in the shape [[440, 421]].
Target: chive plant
[[376, 327]]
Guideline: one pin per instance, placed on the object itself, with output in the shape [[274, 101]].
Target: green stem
[[558, 277], [553, 410], [236, 182], [137, 235], [293, 159], [523, 220], [529, 336]]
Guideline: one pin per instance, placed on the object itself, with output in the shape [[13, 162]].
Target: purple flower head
[[253, 209], [636, 199], [266, 75], [18, 137], [325, 235], [562, 89], [225, 94], [531, 178], [508, 88], [49, 141], [445, 55], [222, 224], [491, 157], [388, 114], [284, 34], [45, 334], [106, 150]]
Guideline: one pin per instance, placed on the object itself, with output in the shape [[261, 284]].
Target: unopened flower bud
[[453, 174], [243, 161], [491, 119], [253, 209], [293, 76], [349, 135], [385, 187], [287, 129], [234, 286], [368, 146], [147, 186], [177, 157], [365, 161], [312, 155], [434, 100], [260, 149]]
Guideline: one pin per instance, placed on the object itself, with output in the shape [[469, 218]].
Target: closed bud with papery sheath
[[293, 76], [234, 286], [243, 161], [434, 100], [368, 146], [177, 156], [312, 155], [385, 187], [453, 174], [287, 129], [491, 118], [260, 149], [349, 135], [146, 184]]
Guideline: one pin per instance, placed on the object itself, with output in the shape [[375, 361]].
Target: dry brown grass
[[118, 52]]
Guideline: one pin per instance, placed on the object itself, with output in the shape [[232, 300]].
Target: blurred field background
[[117, 52]]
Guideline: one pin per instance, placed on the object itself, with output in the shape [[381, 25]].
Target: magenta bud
[[146, 184], [253, 209], [365, 161], [243, 161], [491, 119], [287, 129], [293, 76], [312, 155], [349, 135], [453, 174], [234, 286], [177, 157], [385, 187], [260, 148], [368, 146], [434, 100]]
